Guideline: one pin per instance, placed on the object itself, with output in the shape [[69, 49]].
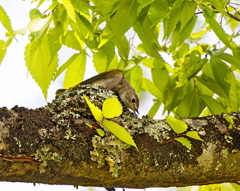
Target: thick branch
[[53, 145]]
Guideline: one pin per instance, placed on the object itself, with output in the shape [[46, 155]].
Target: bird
[[114, 80]]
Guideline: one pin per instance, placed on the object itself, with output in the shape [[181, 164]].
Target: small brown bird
[[114, 80]]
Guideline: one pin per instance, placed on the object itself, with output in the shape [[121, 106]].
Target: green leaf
[[233, 60], [123, 19], [154, 109], [5, 20], [220, 5], [69, 7], [214, 106], [220, 71], [194, 135], [143, 4], [38, 26], [72, 40], [185, 142], [119, 132], [229, 119], [189, 106], [149, 37], [212, 85], [97, 113], [111, 108], [39, 64], [159, 69], [75, 71], [152, 89], [3, 50], [123, 48], [193, 63], [100, 132], [177, 125], [134, 76], [218, 30]]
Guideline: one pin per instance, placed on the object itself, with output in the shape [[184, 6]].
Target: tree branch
[[51, 145]]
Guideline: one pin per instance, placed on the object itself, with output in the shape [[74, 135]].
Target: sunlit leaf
[[75, 71], [38, 26], [100, 132], [111, 108], [2, 50], [97, 113], [185, 142], [69, 7], [119, 132], [218, 30], [154, 109], [151, 88], [177, 125], [5, 20], [194, 135], [39, 63], [229, 120], [214, 106]]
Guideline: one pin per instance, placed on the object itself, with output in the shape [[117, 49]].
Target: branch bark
[[54, 145]]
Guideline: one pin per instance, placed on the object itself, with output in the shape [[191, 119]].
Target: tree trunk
[[54, 145]]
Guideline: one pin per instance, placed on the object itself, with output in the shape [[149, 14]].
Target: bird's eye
[[133, 100]]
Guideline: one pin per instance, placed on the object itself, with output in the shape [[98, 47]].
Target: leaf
[[177, 125], [194, 135], [75, 71], [193, 63], [218, 30], [5, 20], [3, 50], [119, 132], [159, 69], [149, 37], [125, 17], [229, 119], [123, 48], [220, 72], [134, 76], [97, 113], [189, 106], [152, 89], [154, 109], [69, 7], [38, 26], [212, 85], [233, 60], [111, 108], [39, 64], [100, 132], [72, 40], [185, 142], [214, 106]]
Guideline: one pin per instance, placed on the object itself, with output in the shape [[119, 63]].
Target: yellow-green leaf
[[4, 19], [38, 26], [177, 125], [119, 132], [111, 108], [75, 70], [2, 50], [97, 113], [70, 9], [184, 142], [229, 119], [194, 135], [100, 132]]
